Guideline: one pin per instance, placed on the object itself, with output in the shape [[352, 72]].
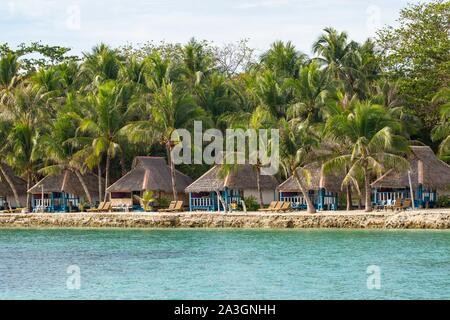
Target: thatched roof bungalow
[[323, 189], [6, 193], [429, 176], [63, 192], [230, 188], [147, 173]]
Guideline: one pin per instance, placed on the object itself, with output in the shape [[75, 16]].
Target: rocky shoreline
[[429, 219]]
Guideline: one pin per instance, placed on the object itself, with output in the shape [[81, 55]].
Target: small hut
[[429, 176], [63, 192], [212, 191], [323, 190], [7, 198], [147, 174]]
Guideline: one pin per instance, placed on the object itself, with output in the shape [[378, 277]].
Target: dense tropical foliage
[[364, 102]]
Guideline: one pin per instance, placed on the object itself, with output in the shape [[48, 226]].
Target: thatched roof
[[150, 173], [241, 178], [426, 169], [331, 182], [67, 182], [5, 190]]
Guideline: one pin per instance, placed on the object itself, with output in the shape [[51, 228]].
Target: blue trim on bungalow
[[322, 199], [208, 201]]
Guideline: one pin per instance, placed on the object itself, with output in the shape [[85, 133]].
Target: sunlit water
[[224, 264]]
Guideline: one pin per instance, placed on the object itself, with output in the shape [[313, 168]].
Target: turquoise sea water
[[224, 264]]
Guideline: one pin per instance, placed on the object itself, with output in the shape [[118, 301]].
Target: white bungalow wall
[[268, 195]]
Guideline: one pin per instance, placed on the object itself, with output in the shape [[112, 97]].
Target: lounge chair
[[174, 206], [107, 207], [98, 209], [16, 210], [271, 206], [284, 207], [406, 204], [395, 204], [276, 208]]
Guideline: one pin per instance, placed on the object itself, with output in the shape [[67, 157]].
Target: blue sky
[[80, 24]]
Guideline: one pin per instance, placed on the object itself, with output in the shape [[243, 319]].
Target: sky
[[81, 24]]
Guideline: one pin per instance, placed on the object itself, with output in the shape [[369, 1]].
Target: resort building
[[147, 174], [323, 190], [7, 198], [63, 192], [428, 176], [215, 191]]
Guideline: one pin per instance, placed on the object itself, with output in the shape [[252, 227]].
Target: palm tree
[[101, 65], [375, 146], [297, 150], [22, 109], [339, 56], [23, 142], [168, 111], [197, 63], [310, 93], [5, 128], [260, 118], [9, 73], [283, 59], [104, 123], [61, 154], [442, 131]]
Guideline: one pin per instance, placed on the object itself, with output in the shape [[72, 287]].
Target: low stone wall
[[430, 219]]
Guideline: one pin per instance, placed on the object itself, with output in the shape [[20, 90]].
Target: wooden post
[[411, 190], [42, 197]]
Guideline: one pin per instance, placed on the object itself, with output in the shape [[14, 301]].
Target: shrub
[[251, 203], [163, 202], [443, 201]]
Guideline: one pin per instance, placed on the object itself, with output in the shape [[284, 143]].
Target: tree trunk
[[122, 164], [348, 191], [309, 203], [28, 194], [258, 184], [99, 175], [83, 184], [172, 170], [368, 189], [108, 160], [11, 185]]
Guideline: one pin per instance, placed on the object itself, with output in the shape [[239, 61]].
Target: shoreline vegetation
[[73, 125], [419, 219]]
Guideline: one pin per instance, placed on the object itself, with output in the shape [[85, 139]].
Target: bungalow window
[[120, 195]]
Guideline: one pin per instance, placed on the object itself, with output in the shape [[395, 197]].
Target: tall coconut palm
[[23, 110], [5, 128], [375, 146], [297, 150], [442, 131], [260, 118], [310, 93], [23, 152], [168, 111], [60, 154], [9, 73], [283, 59], [338, 55], [102, 64], [107, 116]]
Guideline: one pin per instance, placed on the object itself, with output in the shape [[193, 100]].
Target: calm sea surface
[[223, 264]]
